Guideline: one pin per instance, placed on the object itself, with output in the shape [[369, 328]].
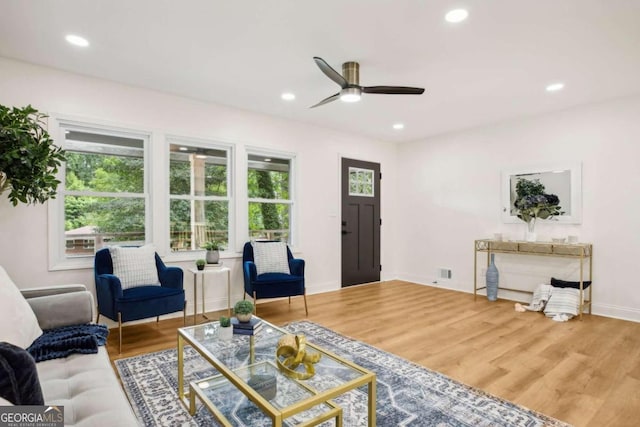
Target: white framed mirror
[[563, 180]]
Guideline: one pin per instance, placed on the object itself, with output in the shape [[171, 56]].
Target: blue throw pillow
[[557, 283], [19, 382]]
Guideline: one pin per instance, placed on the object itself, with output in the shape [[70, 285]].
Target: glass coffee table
[[249, 381]]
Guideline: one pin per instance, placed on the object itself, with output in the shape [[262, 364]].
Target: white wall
[[438, 195], [449, 194], [23, 229]]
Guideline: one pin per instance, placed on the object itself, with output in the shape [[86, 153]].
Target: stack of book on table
[[246, 328]]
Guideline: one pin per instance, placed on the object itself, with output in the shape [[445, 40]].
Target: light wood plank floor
[[586, 373]]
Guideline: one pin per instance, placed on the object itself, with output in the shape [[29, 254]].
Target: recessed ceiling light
[[267, 159], [77, 40], [398, 126], [200, 156], [288, 96], [183, 149], [456, 15], [554, 87]]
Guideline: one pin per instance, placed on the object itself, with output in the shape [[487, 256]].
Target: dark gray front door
[[360, 222]]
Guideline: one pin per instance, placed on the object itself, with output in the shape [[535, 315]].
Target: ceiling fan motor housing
[[351, 72]]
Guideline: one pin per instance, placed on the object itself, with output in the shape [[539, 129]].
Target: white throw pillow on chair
[[18, 323], [135, 266], [270, 257]]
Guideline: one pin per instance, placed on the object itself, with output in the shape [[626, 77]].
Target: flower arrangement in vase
[[533, 203]]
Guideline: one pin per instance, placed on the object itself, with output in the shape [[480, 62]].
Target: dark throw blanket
[[61, 342], [19, 382]]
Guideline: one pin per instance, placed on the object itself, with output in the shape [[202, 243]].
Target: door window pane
[[361, 182]]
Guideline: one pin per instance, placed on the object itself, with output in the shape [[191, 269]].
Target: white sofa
[[85, 384]]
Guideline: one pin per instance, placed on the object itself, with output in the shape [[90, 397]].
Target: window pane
[[210, 222], [93, 222], [268, 179], [269, 221], [104, 163], [208, 167], [179, 176]]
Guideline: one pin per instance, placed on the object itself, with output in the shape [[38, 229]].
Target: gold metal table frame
[[186, 336], [203, 273]]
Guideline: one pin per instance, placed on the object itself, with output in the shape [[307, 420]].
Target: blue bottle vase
[[492, 280]]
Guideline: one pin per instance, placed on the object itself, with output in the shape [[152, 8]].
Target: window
[[198, 195], [361, 182], [269, 182], [104, 195]]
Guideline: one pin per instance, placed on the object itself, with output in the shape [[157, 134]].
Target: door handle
[[346, 232]]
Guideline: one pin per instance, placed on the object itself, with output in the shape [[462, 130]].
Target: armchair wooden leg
[[184, 314], [119, 332], [157, 319], [306, 311], [98, 318], [289, 300]]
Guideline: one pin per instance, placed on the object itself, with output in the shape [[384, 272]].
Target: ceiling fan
[[349, 82]]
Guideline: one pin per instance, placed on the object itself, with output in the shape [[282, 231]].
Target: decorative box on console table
[[583, 252]]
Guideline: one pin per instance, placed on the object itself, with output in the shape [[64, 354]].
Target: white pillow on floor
[[18, 323]]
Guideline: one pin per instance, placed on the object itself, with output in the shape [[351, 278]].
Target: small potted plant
[[243, 310], [213, 254], [225, 331], [200, 263]]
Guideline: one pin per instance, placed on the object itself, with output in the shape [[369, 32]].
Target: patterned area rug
[[407, 394]]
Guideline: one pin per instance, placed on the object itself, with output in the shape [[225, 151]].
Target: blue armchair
[[140, 302], [273, 285]]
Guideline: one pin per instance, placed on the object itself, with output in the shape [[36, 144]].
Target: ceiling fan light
[[350, 94]]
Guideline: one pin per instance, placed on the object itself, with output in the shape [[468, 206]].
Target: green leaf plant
[[29, 160]]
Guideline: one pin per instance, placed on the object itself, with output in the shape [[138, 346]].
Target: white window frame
[[294, 240], [208, 144], [58, 125]]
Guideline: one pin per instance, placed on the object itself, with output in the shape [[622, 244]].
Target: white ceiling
[[490, 68]]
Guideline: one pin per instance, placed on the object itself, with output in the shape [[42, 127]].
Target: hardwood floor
[[586, 373]]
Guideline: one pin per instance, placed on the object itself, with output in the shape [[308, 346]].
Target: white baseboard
[[320, 288], [440, 283], [617, 312], [605, 310]]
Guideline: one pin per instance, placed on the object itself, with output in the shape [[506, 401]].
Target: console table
[[583, 252]]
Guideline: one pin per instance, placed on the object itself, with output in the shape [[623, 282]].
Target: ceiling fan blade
[[327, 100], [393, 90], [330, 72]]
